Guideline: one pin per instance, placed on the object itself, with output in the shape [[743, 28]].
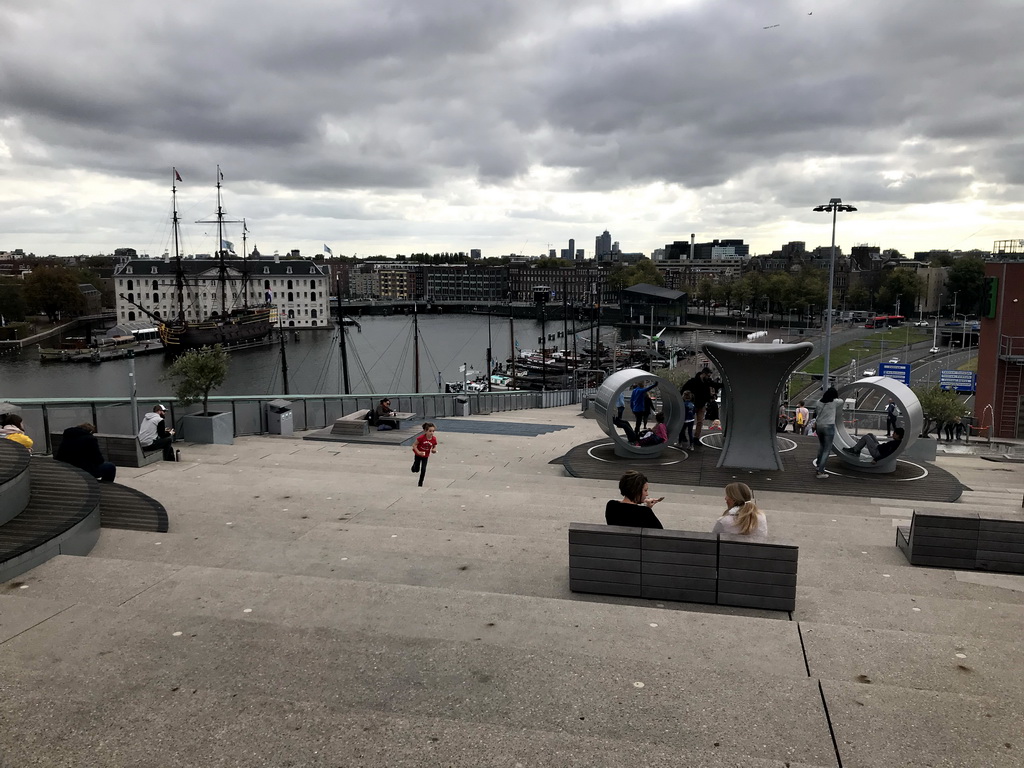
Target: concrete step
[[319, 658]]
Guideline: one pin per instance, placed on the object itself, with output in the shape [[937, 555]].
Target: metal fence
[[113, 415]]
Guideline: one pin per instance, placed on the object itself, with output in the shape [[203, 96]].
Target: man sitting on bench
[[154, 434], [878, 450]]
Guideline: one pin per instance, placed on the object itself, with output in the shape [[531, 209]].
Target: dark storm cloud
[[900, 103]]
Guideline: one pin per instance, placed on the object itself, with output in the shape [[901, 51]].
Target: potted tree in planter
[[193, 375]]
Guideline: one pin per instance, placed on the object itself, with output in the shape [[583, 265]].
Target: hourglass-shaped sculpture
[[754, 376]]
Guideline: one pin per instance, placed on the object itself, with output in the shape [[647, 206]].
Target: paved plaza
[[311, 606]]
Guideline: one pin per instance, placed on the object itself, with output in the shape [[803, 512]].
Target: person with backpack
[[800, 419]]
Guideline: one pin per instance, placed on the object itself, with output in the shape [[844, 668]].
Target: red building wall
[[1000, 342]]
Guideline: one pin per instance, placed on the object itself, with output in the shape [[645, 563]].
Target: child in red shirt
[[424, 445]]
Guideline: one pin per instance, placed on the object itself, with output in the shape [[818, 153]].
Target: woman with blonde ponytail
[[742, 517]]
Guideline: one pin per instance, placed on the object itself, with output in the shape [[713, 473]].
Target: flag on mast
[[177, 176], [327, 250]]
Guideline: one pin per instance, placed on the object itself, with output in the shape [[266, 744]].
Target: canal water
[[380, 359]]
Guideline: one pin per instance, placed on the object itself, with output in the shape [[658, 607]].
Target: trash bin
[[279, 417], [461, 405], [588, 404]]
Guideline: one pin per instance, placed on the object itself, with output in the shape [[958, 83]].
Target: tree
[[903, 285], [966, 278], [643, 271], [196, 373], [939, 406], [12, 301], [53, 291]]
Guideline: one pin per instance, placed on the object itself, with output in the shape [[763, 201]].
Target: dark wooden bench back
[[964, 540], [686, 566], [119, 450]]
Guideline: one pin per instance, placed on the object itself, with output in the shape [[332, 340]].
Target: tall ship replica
[[229, 325]]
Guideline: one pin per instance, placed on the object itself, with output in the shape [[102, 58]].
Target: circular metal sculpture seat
[[912, 421], [622, 382]]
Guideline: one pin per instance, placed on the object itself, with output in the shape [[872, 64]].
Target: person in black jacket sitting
[[878, 450], [80, 448], [635, 507]]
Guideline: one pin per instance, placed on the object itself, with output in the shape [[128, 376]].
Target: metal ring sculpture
[[622, 382], [754, 377], [912, 421]]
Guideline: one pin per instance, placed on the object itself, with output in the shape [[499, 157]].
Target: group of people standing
[[636, 508], [699, 404]]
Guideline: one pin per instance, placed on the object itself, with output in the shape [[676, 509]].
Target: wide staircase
[[48, 508], [312, 606]]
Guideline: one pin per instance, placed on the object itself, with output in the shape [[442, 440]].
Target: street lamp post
[[834, 206]]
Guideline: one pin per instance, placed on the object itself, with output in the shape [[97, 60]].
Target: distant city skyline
[[511, 128]]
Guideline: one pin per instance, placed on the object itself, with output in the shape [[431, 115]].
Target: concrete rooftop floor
[[311, 606]]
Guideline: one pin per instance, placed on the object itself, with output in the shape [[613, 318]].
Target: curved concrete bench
[[912, 422], [622, 381]]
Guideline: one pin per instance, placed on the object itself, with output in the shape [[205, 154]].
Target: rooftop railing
[[113, 415]]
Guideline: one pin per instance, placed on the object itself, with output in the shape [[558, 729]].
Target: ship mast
[[222, 267], [179, 274]]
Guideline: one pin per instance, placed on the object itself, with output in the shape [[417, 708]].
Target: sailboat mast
[[222, 273], [284, 360], [512, 339], [416, 344], [341, 343], [179, 275]]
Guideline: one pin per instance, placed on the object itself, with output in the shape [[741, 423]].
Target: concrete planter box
[[216, 428]]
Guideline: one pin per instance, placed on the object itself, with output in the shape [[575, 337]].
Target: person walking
[[424, 445], [825, 427], [891, 412]]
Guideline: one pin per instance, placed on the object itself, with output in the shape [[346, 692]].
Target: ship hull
[[239, 329]]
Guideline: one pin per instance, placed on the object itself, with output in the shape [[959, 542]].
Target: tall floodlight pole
[[834, 206]]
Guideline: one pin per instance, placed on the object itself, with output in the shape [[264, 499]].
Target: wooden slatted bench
[[354, 423], [964, 540], [119, 450], [683, 566]]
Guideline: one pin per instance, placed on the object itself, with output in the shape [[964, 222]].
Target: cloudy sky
[[396, 126]]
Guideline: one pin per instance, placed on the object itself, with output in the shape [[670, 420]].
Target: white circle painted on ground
[[591, 454], [784, 444], [870, 475]]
